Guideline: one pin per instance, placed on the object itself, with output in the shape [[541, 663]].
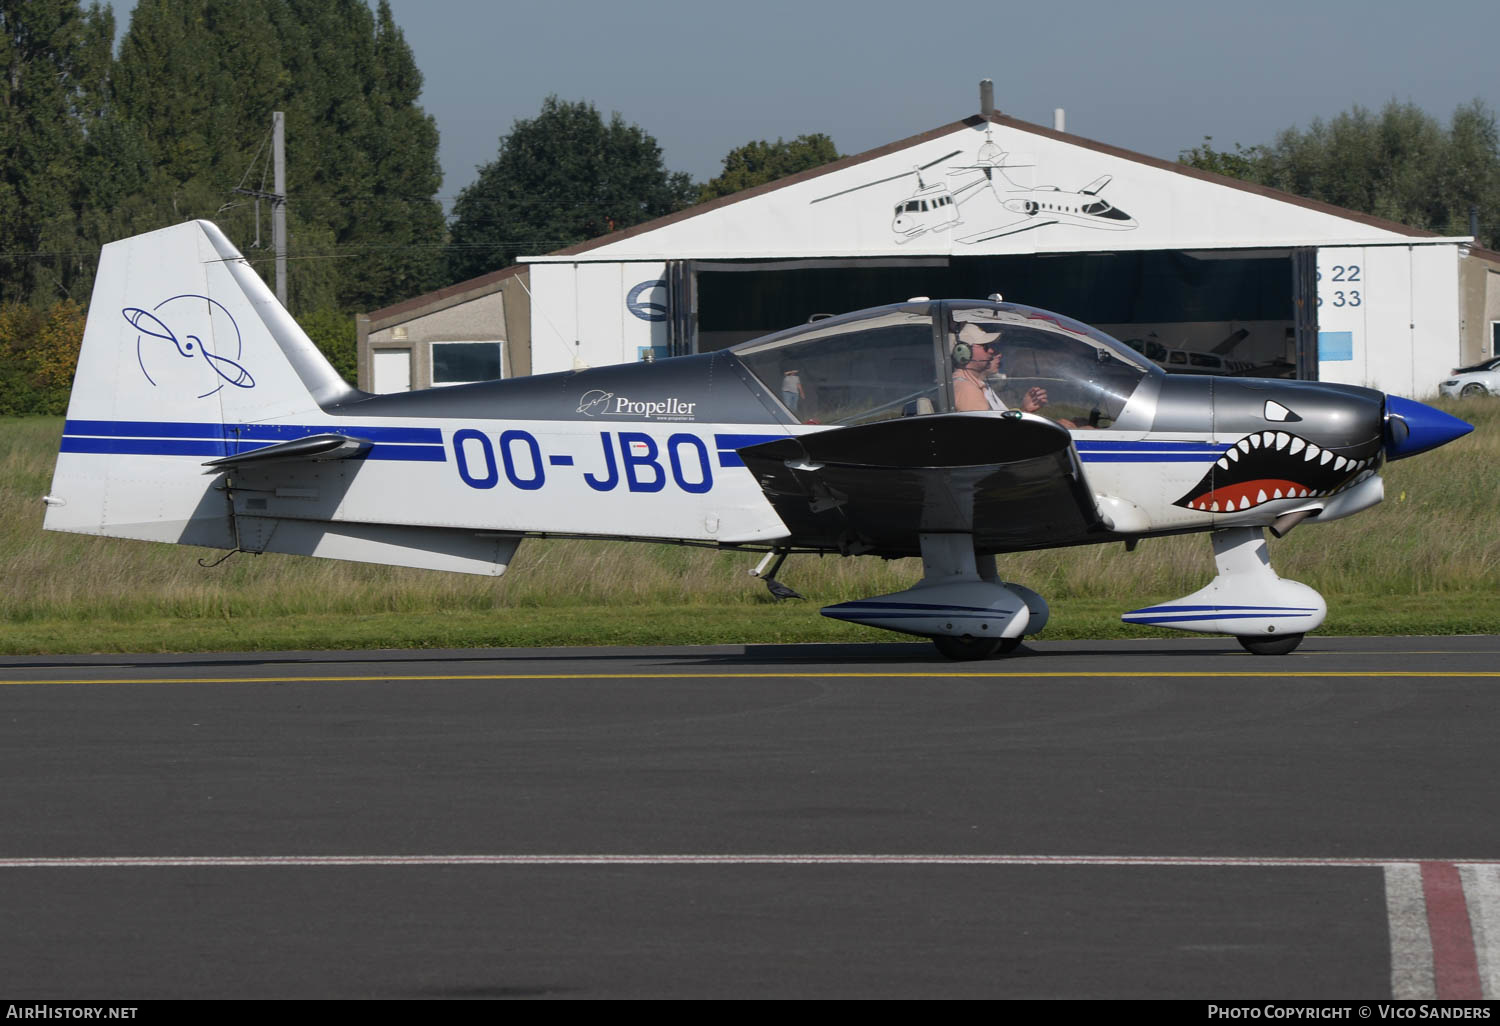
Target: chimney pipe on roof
[[1059, 120], [986, 97]]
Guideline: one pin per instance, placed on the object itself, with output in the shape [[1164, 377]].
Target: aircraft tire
[[967, 649], [1278, 645]]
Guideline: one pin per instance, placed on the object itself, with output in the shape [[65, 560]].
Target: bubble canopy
[[920, 358]]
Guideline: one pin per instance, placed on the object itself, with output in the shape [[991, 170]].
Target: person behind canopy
[[977, 355]]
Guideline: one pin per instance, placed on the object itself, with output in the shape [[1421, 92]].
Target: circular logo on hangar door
[[647, 310]]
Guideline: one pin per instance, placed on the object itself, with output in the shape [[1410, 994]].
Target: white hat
[[976, 335]]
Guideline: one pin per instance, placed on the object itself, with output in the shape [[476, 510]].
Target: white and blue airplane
[[201, 414]]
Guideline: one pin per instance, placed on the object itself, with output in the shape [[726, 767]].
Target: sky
[[1155, 77]]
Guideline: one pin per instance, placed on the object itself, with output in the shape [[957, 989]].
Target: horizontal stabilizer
[[426, 548], [313, 447]]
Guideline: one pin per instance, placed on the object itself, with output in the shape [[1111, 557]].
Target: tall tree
[[756, 163], [394, 214], [54, 63], [1400, 164], [561, 177], [197, 80]]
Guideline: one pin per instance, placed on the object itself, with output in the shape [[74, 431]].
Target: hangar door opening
[[1196, 312]]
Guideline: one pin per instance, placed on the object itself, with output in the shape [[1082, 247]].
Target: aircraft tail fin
[[185, 350], [1228, 345]]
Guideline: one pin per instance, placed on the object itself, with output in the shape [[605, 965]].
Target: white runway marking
[[1411, 947], [350, 861], [1482, 886], [1445, 930]]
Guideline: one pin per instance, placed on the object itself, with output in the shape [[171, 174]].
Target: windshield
[[1018, 357], [921, 358]]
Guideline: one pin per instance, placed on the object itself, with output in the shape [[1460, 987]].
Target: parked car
[[1480, 379]]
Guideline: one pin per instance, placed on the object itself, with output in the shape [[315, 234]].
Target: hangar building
[[1200, 272]]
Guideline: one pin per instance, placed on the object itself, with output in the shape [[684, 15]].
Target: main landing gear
[[966, 649], [969, 613], [960, 603]]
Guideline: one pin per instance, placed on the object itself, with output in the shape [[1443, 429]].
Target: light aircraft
[[1215, 361], [201, 414], [1192, 361]]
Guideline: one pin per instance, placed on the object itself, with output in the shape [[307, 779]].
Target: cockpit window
[[852, 370], [1099, 208], [1043, 363], [891, 362]]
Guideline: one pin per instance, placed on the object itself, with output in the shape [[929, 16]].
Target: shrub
[[38, 354]]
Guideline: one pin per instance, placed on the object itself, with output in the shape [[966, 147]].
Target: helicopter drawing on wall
[[935, 206]]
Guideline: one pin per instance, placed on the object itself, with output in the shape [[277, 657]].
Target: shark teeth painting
[[1270, 465]]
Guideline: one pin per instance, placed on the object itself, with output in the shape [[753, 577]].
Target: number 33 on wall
[[1344, 297]]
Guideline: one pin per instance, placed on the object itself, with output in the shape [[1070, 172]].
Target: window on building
[[462, 363]]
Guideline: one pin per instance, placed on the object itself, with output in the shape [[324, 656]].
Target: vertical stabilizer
[[183, 348]]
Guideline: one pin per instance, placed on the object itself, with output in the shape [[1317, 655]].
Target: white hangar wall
[[1001, 188], [1388, 316], [594, 314]]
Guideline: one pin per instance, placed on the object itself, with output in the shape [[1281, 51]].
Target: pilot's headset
[[970, 336]]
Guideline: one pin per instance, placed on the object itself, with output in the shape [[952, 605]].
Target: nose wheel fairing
[[1246, 599]]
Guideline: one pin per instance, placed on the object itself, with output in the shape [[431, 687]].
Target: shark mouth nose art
[[1270, 465]]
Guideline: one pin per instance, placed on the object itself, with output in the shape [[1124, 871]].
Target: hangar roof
[[441, 299], [990, 186]]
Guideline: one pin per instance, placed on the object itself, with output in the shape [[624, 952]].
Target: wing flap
[[1014, 481]]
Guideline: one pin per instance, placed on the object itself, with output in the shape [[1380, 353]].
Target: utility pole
[[278, 201]]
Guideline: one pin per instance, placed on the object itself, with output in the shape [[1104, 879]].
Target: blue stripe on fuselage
[[183, 438], [727, 444], [1110, 451]]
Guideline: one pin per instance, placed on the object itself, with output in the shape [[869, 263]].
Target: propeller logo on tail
[[172, 351]]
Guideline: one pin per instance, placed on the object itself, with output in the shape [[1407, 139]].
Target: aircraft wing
[[1014, 481], [1022, 223]]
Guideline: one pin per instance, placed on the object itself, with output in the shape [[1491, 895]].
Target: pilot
[[976, 355]]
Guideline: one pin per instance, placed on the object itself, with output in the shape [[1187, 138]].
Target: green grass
[[1427, 560]]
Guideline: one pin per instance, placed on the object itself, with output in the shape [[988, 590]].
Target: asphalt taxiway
[[1170, 818]]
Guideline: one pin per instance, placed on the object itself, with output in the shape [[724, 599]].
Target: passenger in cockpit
[[977, 355]]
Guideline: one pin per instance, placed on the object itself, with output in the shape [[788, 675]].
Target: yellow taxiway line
[[782, 675]]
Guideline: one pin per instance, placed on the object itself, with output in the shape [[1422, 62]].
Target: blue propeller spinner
[[1412, 427]]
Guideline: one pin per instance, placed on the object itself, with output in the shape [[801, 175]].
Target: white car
[[1468, 382]]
